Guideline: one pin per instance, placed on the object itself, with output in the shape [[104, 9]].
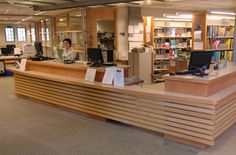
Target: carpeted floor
[[31, 128]]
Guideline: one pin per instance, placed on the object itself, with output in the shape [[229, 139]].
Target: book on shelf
[[216, 31]]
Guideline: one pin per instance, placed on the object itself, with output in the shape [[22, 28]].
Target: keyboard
[[41, 58], [109, 64], [185, 72]]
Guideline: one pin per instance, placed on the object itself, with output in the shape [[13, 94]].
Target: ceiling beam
[[16, 20], [31, 2], [22, 15], [79, 4]]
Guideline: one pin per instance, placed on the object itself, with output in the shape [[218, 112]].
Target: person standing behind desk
[[69, 53]]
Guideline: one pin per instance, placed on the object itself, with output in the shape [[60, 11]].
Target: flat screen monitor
[[38, 47], [95, 55], [110, 56], [10, 49], [198, 59], [4, 51]]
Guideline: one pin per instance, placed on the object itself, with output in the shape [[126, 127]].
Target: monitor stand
[[200, 74], [95, 65]]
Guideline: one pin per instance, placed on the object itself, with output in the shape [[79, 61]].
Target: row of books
[[173, 43], [226, 55], [216, 30], [173, 32], [220, 44]]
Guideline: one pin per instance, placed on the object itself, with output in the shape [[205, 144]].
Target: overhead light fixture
[[223, 12], [18, 22], [215, 17], [39, 13], [174, 19], [27, 18], [188, 16], [117, 4], [179, 17], [137, 2]]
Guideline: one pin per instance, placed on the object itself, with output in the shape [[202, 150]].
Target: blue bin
[[8, 73]]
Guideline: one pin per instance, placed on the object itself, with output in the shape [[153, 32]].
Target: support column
[[234, 46]]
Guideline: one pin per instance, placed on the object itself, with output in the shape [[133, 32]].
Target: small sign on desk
[[23, 64], [90, 75], [109, 75], [119, 77]]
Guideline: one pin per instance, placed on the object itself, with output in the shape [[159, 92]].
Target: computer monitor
[[110, 56], [95, 55], [198, 59], [4, 51], [39, 49], [10, 49]]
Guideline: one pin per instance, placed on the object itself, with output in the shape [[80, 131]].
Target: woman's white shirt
[[69, 54]]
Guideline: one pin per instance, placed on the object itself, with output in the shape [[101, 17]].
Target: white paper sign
[[90, 75], [109, 75], [23, 64], [119, 77], [130, 29]]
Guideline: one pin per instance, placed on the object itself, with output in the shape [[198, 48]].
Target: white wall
[[122, 28]]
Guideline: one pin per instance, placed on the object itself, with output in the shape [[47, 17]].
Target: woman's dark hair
[[68, 40]]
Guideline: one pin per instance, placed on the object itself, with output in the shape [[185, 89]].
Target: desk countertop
[[231, 68]]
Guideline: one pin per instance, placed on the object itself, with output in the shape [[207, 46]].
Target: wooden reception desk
[[196, 120], [202, 86], [76, 70]]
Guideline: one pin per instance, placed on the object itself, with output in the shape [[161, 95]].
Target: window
[[9, 32], [33, 34], [47, 34], [21, 34], [42, 34]]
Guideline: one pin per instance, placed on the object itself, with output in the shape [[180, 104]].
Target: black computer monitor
[[198, 59], [10, 49], [110, 56], [4, 51], [95, 55], [39, 49]]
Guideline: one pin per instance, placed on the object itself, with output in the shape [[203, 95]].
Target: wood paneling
[[94, 14], [200, 20], [185, 118], [202, 86]]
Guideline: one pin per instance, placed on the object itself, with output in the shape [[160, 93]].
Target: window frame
[[18, 34], [5, 32]]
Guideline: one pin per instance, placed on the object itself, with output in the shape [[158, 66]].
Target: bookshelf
[[216, 35], [171, 39], [220, 39]]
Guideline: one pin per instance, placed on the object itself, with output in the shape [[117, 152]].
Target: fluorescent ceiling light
[[179, 17], [117, 4], [189, 16], [137, 2], [212, 17], [27, 18], [39, 13], [173, 19], [223, 12]]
